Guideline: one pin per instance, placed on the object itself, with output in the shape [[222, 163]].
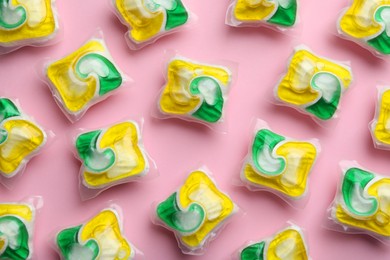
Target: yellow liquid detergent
[[40, 22], [105, 229], [176, 97], [75, 93], [254, 10], [24, 138], [199, 188], [287, 244], [123, 139], [23, 211], [381, 130]]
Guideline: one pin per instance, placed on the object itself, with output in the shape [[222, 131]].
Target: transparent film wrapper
[[288, 243], [280, 15], [196, 92], [110, 156], [380, 125], [17, 228], [27, 23], [366, 22], [279, 164], [313, 85], [361, 205], [83, 78], [21, 138], [149, 20], [100, 237], [196, 213]]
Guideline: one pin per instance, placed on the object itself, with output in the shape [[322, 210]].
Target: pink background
[[178, 147]]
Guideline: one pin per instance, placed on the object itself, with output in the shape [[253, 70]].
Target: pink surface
[[178, 147]]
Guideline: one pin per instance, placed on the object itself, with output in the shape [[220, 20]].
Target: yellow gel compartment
[[123, 139], [293, 180], [254, 10], [358, 21], [105, 229], [379, 222], [24, 138], [288, 242], [23, 211], [144, 23], [196, 182], [176, 97], [40, 24], [75, 93], [381, 129]]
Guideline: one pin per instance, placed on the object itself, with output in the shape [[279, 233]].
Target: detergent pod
[[313, 85], [380, 126], [279, 164], [149, 20], [26, 22], [20, 139], [279, 14], [196, 212], [101, 237], [362, 203], [110, 156], [17, 228], [195, 91], [83, 78], [286, 244], [366, 22]]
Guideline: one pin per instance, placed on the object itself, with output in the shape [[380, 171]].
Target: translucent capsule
[[150, 19], [26, 22], [313, 85], [279, 164], [111, 156], [195, 91], [367, 22], [196, 212], [286, 244], [99, 238], [20, 139], [362, 202], [83, 78], [275, 13]]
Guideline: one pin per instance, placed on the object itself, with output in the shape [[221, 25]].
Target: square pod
[[380, 126], [286, 244], [365, 22], [26, 22], [275, 13], [195, 212], [101, 237], [16, 230], [111, 156], [83, 78], [149, 20], [361, 204], [279, 164], [20, 139], [313, 85], [195, 91]]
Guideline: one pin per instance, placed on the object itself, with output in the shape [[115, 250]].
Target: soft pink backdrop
[[177, 146]]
